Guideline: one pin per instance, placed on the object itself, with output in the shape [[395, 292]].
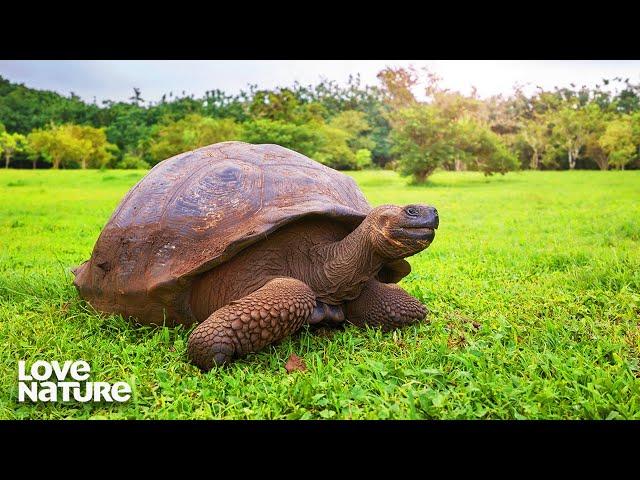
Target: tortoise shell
[[196, 210]]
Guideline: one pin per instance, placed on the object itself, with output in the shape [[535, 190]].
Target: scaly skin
[[312, 271], [247, 325], [384, 305], [286, 253]]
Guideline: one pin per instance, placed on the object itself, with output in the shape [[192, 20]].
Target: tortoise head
[[397, 232]]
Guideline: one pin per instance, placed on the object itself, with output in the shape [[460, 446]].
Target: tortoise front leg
[[247, 325], [384, 305]]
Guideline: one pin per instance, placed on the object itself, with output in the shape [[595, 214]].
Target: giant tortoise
[[252, 242]]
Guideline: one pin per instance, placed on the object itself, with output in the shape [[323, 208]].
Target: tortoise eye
[[412, 212]]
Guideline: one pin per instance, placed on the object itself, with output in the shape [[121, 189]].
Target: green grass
[[533, 282]]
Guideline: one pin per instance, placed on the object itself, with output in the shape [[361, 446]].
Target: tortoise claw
[[324, 312]]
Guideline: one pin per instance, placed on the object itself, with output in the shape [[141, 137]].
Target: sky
[[115, 79]]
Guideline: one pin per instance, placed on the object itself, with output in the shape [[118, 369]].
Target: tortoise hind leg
[[384, 305], [251, 323]]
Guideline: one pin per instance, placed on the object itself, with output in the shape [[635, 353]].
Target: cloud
[[115, 79]]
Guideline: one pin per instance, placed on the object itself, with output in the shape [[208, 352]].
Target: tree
[[3, 131], [422, 139], [335, 98], [576, 131], [318, 120], [32, 154], [191, 132], [323, 142], [24, 109], [333, 149], [482, 149], [136, 98], [218, 104], [57, 145], [570, 132], [535, 134], [355, 124], [11, 143], [303, 138], [456, 108], [628, 99], [363, 159], [96, 151], [282, 104], [635, 129], [71, 145], [132, 162], [595, 151], [129, 127], [397, 85], [617, 142], [596, 124]]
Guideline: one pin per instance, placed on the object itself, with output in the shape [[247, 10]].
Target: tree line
[[350, 126]]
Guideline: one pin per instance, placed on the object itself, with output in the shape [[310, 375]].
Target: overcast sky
[[107, 79]]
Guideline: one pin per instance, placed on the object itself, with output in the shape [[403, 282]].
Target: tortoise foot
[[384, 305], [247, 325]]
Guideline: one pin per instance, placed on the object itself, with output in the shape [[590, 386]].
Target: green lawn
[[533, 282]]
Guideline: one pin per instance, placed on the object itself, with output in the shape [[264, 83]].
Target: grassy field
[[533, 282]]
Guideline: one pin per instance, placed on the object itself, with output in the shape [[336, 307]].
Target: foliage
[[24, 109], [355, 124], [422, 140], [323, 142], [129, 129], [481, 148], [130, 161], [596, 122], [449, 130], [617, 142], [11, 143], [280, 105], [557, 128], [535, 134], [363, 159], [333, 149], [398, 85], [189, 133], [97, 151], [303, 138], [570, 132], [57, 146], [72, 146], [426, 137]]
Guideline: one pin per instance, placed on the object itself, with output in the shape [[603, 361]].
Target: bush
[[422, 140], [334, 150], [193, 131], [363, 159], [301, 138], [482, 149], [132, 162]]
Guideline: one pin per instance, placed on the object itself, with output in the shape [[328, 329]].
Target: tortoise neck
[[348, 264]]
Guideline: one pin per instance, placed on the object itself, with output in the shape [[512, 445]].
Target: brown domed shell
[[193, 211]]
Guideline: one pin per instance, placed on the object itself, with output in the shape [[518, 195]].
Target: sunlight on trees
[[71, 146], [189, 133], [350, 126], [10, 144]]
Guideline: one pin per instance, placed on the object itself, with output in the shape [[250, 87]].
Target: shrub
[[363, 159], [131, 162]]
